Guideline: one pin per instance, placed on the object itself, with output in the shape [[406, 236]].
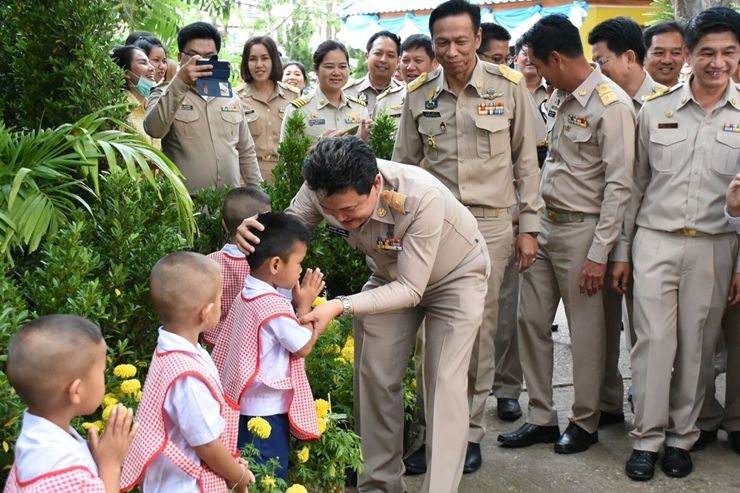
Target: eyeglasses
[[192, 53], [496, 58], [602, 61]]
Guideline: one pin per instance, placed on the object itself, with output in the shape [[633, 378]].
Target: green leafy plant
[[383, 136], [208, 215], [48, 174]]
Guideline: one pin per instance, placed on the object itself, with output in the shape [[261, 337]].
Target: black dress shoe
[[734, 438], [529, 434], [508, 409], [575, 439], [416, 463], [676, 462], [705, 438], [473, 459], [606, 419], [641, 465]]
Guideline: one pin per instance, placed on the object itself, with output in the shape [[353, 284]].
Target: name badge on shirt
[[186, 107], [248, 111], [432, 114], [337, 231], [667, 125], [316, 121]]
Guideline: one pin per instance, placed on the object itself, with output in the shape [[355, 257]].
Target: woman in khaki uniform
[[264, 98], [329, 110]]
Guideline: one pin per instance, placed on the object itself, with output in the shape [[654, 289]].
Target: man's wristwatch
[[346, 306]]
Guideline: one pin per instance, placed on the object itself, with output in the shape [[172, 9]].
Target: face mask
[[144, 86]]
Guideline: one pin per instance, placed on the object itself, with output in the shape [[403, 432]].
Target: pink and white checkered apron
[[236, 355], [152, 438], [75, 479], [234, 270]]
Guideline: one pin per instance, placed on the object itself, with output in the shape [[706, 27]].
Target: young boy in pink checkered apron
[[56, 364], [239, 204], [260, 352], [187, 437]]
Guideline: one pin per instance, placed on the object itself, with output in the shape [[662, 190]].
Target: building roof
[[358, 7]]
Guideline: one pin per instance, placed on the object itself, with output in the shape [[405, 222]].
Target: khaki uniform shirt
[[413, 240], [136, 120], [685, 161], [364, 91], [391, 102], [480, 144], [208, 141], [266, 117], [648, 88], [540, 93], [590, 157], [321, 115]]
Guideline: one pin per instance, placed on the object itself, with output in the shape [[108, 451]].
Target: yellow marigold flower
[[99, 425], [107, 411], [413, 383], [334, 348], [297, 488], [124, 371], [109, 400], [350, 342], [303, 455], [138, 396], [260, 427], [318, 301], [322, 407], [322, 426], [87, 425], [130, 387], [268, 482], [348, 353]]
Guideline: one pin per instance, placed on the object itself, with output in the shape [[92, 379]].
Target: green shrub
[[207, 205], [56, 67], [100, 268], [383, 136]]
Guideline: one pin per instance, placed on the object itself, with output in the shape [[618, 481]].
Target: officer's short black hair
[[198, 30], [418, 41], [241, 203], [620, 34], [661, 28], [492, 31], [453, 8], [324, 48], [553, 33], [278, 239], [384, 34], [709, 21], [338, 164]]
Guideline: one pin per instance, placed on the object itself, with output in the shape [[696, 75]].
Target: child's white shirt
[[193, 419], [44, 447], [278, 339]]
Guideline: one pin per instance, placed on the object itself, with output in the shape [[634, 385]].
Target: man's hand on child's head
[[245, 239], [111, 447]]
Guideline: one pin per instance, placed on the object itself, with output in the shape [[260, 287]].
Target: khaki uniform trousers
[[612, 388], [563, 248], [452, 310], [713, 415], [681, 287], [498, 233], [508, 380]]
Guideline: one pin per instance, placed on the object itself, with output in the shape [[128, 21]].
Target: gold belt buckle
[[267, 157], [688, 232], [552, 215]]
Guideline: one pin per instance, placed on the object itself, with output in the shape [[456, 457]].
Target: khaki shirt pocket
[[578, 148], [254, 121], [186, 124], [665, 150], [432, 133], [232, 119], [726, 153], [492, 136]]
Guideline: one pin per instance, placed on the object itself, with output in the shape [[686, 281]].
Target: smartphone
[[350, 131], [217, 85]]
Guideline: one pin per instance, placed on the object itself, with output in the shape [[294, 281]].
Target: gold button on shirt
[[265, 118]]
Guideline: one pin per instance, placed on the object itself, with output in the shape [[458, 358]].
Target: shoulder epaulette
[[390, 90], [394, 200], [417, 83], [300, 102], [355, 100], [289, 87], [511, 74], [607, 94], [350, 83], [661, 91]]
